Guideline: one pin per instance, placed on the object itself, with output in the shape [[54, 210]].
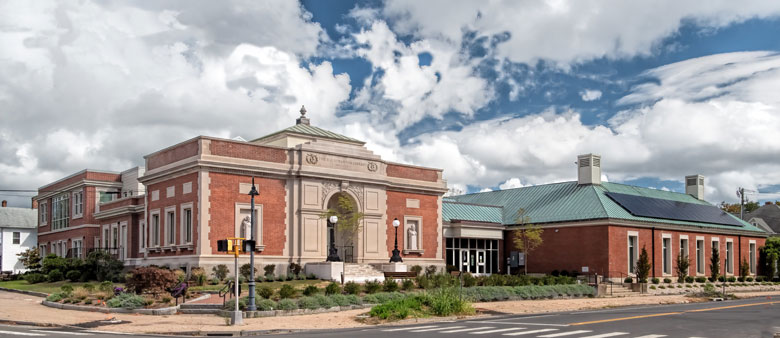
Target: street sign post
[[234, 245]]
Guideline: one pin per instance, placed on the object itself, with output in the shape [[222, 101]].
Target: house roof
[[569, 201], [309, 130], [769, 213], [452, 210], [18, 218]]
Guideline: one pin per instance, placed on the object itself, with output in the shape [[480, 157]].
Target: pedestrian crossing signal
[[222, 245]]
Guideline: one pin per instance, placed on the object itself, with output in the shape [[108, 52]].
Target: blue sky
[[498, 94]]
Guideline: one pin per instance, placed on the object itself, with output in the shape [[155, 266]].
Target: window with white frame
[[114, 237], [43, 211], [42, 250], [170, 227], [17, 237], [666, 249], [155, 228], [633, 254], [60, 211], [684, 249], [700, 256], [142, 234], [76, 246], [186, 224], [729, 257], [106, 237], [752, 253], [78, 204]]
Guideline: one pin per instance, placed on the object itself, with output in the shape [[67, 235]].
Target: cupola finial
[[303, 119]]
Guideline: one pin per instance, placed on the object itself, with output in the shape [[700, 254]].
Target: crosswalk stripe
[[611, 334], [498, 330], [529, 332], [653, 336], [467, 329], [65, 332], [568, 333], [22, 333], [437, 328], [410, 328]]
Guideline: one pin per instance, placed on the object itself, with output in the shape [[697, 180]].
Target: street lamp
[[333, 255], [252, 193], [396, 254]]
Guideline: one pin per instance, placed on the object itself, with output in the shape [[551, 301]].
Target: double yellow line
[[670, 313]]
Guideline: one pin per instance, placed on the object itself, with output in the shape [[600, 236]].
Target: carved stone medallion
[[311, 158], [372, 166]]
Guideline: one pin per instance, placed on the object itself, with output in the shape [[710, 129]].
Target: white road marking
[[529, 332], [611, 334], [498, 330], [467, 329], [437, 328], [653, 336], [516, 323], [22, 333], [568, 333], [410, 328], [66, 332]]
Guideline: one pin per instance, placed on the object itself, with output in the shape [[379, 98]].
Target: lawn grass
[[44, 287], [298, 284]]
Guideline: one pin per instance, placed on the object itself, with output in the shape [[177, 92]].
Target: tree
[[350, 221], [744, 268], [714, 264], [220, 271], [769, 255], [734, 208], [643, 266], [527, 236], [31, 259], [682, 267]]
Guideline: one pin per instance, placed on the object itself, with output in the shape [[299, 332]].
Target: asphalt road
[[758, 317]]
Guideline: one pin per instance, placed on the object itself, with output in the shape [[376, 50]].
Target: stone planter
[[639, 287]]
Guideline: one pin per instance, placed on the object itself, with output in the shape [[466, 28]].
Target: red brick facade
[[412, 173], [174, 204], [173, 154], [428, 210], [248, 151]]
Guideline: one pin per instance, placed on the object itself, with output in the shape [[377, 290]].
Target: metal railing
[[228, 290], [346, 253], [117, 253]]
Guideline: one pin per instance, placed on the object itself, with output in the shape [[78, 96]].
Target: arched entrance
[[347, 228]]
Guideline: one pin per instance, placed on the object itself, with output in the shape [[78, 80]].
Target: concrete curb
[[25, 292], [296, 312], [154, 312]]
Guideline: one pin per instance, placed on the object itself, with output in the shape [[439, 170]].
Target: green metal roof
[[569, 201], [470, 212], [309, 130]]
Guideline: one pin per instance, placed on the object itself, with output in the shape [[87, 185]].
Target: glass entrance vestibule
[[474, 255]]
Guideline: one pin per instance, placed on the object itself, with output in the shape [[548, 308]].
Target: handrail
[[228, 289]]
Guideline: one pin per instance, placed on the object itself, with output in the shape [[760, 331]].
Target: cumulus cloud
[[590, 95], [511, 183]]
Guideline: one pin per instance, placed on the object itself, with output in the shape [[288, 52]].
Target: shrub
[[287, 304], [102, 266], [431, 270], [55, 297], [628, 280], [231, 304], [399, 309], [701, 279], [333, 288], [67, 289], [311, 290], [281, 278], [245, 270], [166, 299], [310, 303], [126, 301], [287, 291], [370, 299], [352, 288], [732, 279], [269, 278], [662, 287], [53, 262], [35, 278], [446, 302], [749, 279], [265, 305], [372, 286], [652, 287], [721, 278], [73, 275], [408, 285], [667, 280], [269, 269], [302, 276], [759, 279], [655, 280], [416, 269], [423, 282], [295, 269], [265, 292], [689, 279], [643, 266], [311, 276], [442, 302], [469, 280], [354, 300], [150, 279], [341, 300], [214, 281], [741, 279], [326, 301], [88, 287], [220, 271], [390, 285], [54, 275]]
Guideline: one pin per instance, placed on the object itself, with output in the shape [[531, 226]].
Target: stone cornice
[[82, 183], [120, 211]]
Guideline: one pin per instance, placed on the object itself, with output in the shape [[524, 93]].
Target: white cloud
[[511, 183], [590, 95], [486, 190], [581, 30]]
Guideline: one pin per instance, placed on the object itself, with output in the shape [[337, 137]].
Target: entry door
[[480, 261], [464, 260]]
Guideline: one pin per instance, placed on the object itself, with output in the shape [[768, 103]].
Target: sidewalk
[[19, 307]]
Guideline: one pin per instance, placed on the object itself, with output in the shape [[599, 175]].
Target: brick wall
[[569, 249], [176, 201], [224, 194], [412, 173], [248, 151], [177, 153], [429, 211]]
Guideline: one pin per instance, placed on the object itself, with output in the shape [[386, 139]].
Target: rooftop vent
[[588, 169], [694, 186]]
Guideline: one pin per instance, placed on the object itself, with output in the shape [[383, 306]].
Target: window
[[60, 211], [42, 249], [142, 232], [17, 237], [114, 237], [752, 251], [106, 196], [684, 249], [729, 257], [76, 246], [105, 238], [43, 210], [156, 230], [187, 225], [667, 255], [171, 227], [632, 253], [78, 204]]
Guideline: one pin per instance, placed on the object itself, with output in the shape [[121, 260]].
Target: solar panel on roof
[[665, 209]]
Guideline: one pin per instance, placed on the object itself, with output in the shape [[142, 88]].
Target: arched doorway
[[349, 225]]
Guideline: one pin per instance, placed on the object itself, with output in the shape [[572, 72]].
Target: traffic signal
[[249, 245], [222, 245]]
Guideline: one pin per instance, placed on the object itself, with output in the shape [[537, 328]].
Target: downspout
[[653, 250], [739, 254]]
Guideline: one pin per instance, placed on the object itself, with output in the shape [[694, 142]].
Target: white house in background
[[18, 232]]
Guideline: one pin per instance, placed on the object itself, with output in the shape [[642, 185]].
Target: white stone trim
[[703, 256], [155, 195], [258, 222], [204, 193], [170, 191], [728, 261], [69, 228], [186, 188], [419, 229], [668, 255], [630, 234]]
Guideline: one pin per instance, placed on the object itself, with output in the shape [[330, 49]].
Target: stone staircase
[[361, 273], [619, 290], [200, 309]]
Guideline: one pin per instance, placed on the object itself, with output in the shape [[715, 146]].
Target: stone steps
[[202, 309], [361, 273], [617, 290]]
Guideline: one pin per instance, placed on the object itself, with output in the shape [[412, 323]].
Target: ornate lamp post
[[396, 254], [252, 193], [333, 255]]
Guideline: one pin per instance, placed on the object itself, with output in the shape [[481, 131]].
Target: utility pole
[[252, 193], [741, 193]]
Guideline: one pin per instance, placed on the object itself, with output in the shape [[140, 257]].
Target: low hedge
[[499, 293], [318, 301]]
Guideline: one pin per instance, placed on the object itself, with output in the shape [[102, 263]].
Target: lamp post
[[333, 255], [252, 193], [396, 254]]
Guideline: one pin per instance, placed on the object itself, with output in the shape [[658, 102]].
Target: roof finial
[[303, 119]]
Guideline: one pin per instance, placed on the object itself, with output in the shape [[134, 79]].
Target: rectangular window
[[156, 230], [667, 255], [76, 246], [114, 238], [632, 254], [752, 258], [42, 249], [105, 196], [730, 257], [17, 239], [78, 204], [60, 211], [171, 223], [187, 219], [44, 212], [684, 249], [105, 238]]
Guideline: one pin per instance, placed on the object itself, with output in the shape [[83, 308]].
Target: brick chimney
[[694, 186], [589, 169], [5, 203], [34, 203]]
